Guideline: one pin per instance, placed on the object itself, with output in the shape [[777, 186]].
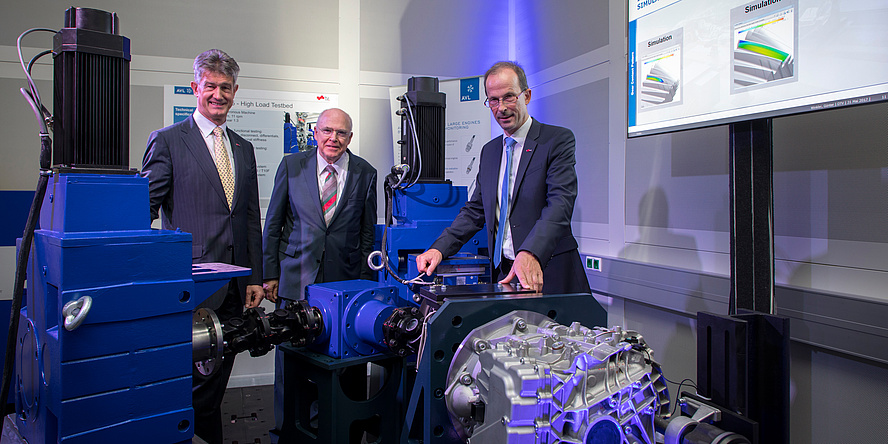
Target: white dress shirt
[[520, 136], [206, 127]]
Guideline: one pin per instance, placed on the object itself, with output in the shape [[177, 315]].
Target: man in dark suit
[[525, 193], [202, 177], [320, 221]]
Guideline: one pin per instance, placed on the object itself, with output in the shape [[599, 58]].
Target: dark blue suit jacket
[[184, 184], [296, 239], [543, 195]]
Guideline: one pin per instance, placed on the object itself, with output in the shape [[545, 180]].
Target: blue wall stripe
[[16, 205]]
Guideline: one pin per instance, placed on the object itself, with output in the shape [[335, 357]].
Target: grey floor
[[248, 415]]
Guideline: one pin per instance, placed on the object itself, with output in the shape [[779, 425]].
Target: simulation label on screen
[[695, 63]]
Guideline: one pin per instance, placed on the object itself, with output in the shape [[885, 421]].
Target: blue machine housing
[[124, 374], [420, 214], [353, 313]]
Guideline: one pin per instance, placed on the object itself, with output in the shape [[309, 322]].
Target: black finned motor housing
[[427, 104], [91, 93]]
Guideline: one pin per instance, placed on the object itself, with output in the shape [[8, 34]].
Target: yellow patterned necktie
[[223, 165]]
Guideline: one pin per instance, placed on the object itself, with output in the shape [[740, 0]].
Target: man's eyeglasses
[[508, 99], [327, 132]]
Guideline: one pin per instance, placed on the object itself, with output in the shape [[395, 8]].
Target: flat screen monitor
[[695, 63]]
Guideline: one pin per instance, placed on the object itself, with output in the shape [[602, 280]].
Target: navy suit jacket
[[296, 239], [184, 184], [543, 200]]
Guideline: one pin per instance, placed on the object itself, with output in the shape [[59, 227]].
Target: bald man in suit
[[321, 221]]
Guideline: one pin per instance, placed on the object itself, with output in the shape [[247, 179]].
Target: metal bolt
[[521, 325], [612, 403], [628, 430], [557, 345], [393, 342], [466, 379], [416, 298]]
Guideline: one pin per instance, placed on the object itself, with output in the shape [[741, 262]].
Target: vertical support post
[[752, 235]]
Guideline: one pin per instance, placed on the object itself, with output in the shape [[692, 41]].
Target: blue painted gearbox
[[353, 313], [123, 373]]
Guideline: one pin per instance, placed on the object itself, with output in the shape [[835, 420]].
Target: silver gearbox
[[524, 378]]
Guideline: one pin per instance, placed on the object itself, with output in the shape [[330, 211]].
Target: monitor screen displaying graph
[[695, 63]]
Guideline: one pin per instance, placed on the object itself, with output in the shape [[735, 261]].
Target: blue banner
[[181, 113], [469, 89]]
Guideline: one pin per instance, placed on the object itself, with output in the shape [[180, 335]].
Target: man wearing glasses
[[525, 193], [320, 221]]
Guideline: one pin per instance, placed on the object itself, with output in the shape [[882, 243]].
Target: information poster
[[764, 47], [466, 127], [660, 63], [275, 122]]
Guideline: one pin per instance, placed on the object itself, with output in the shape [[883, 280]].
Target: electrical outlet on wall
[[593, 263]]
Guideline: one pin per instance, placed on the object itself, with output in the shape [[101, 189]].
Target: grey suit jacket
[[185, 186], [544, 194], [298, 247]]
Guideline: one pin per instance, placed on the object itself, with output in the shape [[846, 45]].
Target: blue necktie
[[504, 204]]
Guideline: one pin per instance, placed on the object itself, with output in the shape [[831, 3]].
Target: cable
[[417, 155], [389, 191], [422, 338], [31, 85], [33, 98], [678, 390], [47, 116], [389, 188], [385, 262], [37, 57]]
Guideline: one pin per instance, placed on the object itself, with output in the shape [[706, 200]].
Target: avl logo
[[469, 89], [183, 90]]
